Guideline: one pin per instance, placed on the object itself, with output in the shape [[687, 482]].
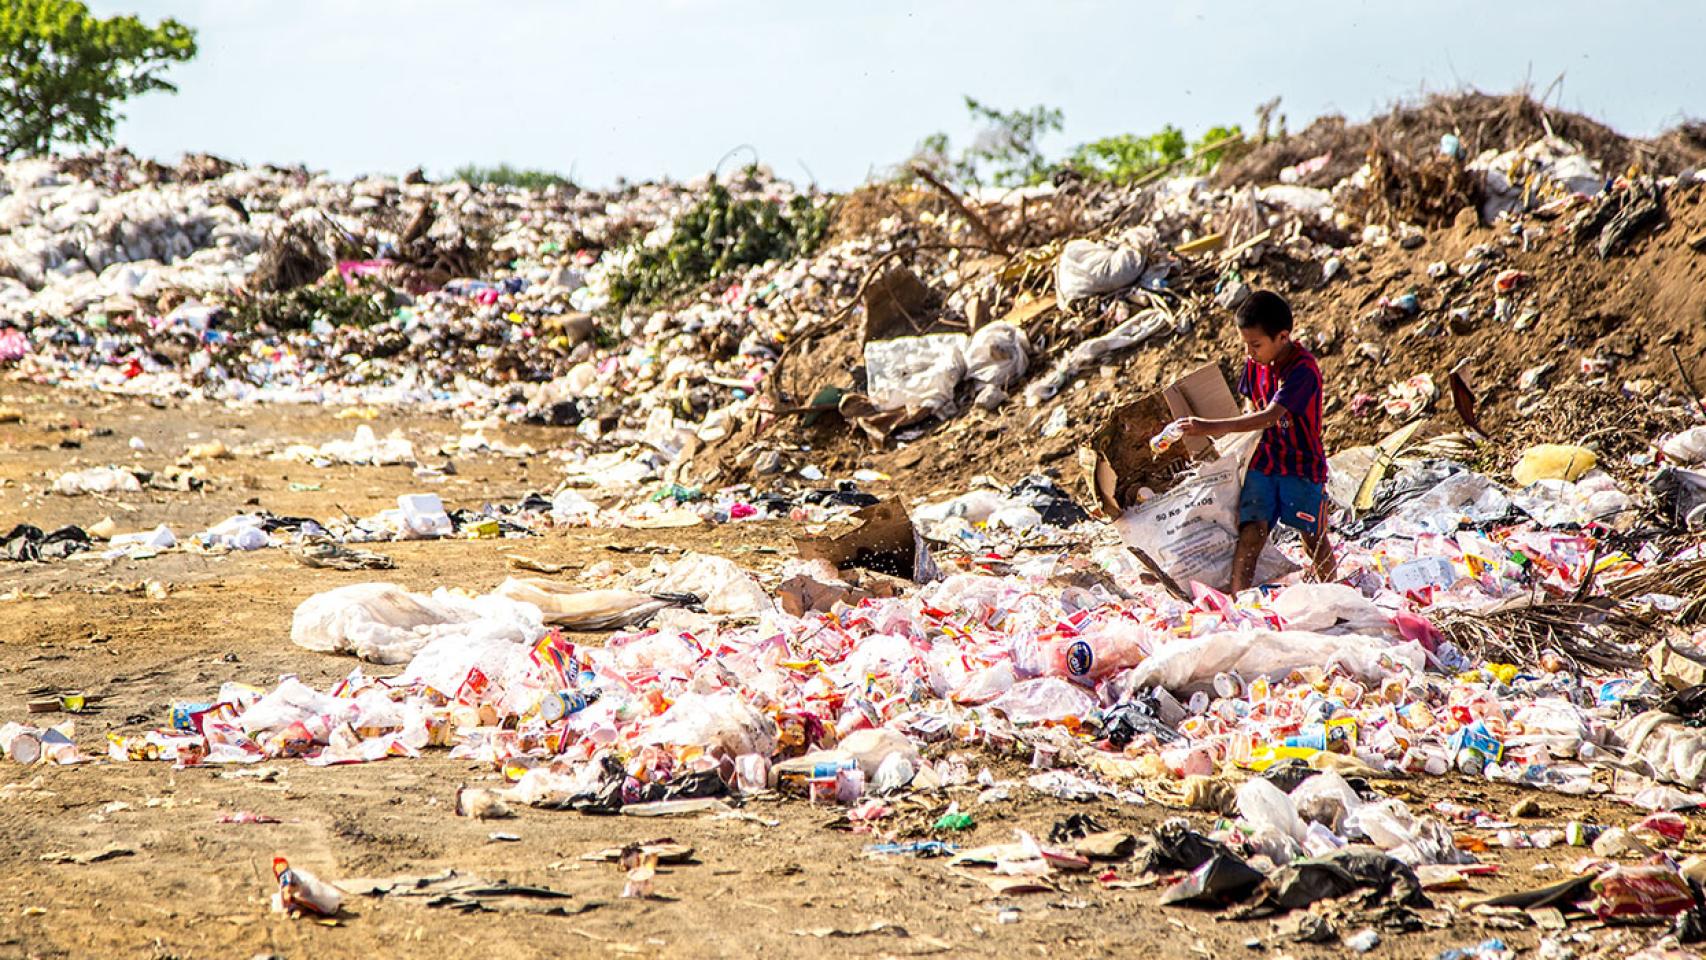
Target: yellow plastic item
[[1552, 461]]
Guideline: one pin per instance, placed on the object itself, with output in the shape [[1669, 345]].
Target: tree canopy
[[64, 71]]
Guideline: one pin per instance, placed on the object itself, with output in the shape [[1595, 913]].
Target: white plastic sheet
[[1045, 698], [1319, 607], [566, 606], [725, 588], [1194, 661], [1141, 327], [96, 480], [384, 623]]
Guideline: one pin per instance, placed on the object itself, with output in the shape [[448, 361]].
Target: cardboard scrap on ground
[[884, 542]]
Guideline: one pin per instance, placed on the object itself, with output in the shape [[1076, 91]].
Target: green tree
[[64, 71], [1006, 149]]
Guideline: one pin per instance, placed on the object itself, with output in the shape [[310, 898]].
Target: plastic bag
[[1645, 891], [367, 449], [1265, 807], [1326, 798], [1555, 503], [569, 505], [916, 373], [1554, 723], [872, 748], [1687, 448], [1193, 661], [1460, 497], [1191, 531], [1318, 607], [997, 355], [383, 623], [292, 702], [1086, 268], [1553, 461], [1659, 745], [1046, 698], [723, 587], [1106, 646], [479, 668], [96, 480], [1134, 331], [720, 720]]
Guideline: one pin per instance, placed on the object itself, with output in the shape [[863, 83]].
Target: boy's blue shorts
[[1296, 502]]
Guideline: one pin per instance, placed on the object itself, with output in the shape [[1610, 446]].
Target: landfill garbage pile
[[924, 320]]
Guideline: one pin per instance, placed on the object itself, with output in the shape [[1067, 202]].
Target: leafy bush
[[504, 175], [330, 300], [718, 234], [1007, 151], [1127, 158]]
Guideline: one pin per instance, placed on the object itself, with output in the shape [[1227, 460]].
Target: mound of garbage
[[922, 334]]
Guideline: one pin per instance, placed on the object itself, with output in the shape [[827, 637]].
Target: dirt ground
[[779, 880]]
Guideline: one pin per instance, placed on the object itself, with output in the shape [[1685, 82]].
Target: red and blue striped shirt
[[1292, 447]]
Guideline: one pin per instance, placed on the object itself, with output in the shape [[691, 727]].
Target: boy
[[1287, 478]]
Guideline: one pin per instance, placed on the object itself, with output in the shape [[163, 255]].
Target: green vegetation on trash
[[331, 300], [66, 71], [504, 175], [1128, 158], [1007, 151], [719, 234]]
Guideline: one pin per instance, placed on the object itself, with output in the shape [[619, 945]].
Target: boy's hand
[[1197, 427]]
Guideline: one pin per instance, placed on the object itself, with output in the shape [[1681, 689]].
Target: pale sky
[[648, 88]]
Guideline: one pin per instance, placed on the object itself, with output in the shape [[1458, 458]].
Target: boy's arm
[[1260, 420]]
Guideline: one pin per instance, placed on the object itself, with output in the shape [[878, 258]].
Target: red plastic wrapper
[[1640, 892], [1667, 826]]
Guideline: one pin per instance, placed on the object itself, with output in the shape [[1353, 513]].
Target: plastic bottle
[[565, 703], [1102, 649], [301, 892], [1170, 434]]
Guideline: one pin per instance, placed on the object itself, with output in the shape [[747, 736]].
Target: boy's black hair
[[1265, 310]]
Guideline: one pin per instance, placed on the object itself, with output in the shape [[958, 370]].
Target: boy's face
[[1263, 348]]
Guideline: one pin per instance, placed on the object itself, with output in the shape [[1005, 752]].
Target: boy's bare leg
[[1320, 548], [1252, 537]]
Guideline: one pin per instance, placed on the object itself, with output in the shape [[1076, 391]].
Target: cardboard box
[[1118, 462], [884, 542]]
